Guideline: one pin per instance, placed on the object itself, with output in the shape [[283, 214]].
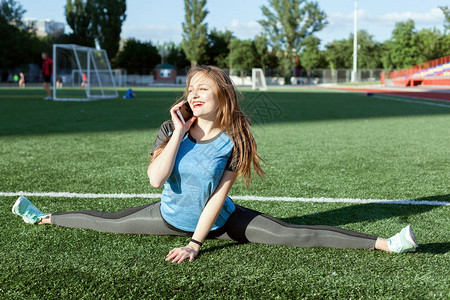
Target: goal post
[[258, 79], [82, 74]]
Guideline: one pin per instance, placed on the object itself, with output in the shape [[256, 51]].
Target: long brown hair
[[232, 121]]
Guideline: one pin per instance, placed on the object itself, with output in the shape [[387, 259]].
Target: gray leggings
[[244, 225]]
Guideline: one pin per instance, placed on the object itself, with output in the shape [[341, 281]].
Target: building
[[165, 73], [44, 27]]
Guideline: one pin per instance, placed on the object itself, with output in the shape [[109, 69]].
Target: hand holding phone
[[185, 112], [181, 117]]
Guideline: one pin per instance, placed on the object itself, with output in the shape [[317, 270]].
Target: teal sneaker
[[404, 241], [25, 209]]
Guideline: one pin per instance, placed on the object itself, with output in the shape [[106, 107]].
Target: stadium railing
[[433, 72]]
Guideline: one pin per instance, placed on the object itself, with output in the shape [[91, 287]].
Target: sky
[[160, 21]]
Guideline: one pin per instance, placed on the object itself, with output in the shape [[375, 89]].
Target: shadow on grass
[[436, 198], [151, 108], [435, 248], [366, 212], [375, 212], [215, 248]]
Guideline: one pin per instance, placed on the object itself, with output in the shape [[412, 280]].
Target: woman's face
[[203, 97]]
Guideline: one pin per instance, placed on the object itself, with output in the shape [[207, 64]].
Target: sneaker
[[25, 209], [48, 98], [404, 241]]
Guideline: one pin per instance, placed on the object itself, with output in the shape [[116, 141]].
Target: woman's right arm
[[161, 167]]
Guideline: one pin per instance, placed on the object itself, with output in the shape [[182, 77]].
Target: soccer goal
[[258, 79], [82, 74]]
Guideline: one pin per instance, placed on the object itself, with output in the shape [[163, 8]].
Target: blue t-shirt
[[198, 168]]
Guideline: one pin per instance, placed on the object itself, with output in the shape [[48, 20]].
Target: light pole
[[355, 43]]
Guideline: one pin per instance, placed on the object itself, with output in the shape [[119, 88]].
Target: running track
[[428, 94]]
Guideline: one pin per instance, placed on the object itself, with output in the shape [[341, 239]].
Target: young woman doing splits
[[197, 162]]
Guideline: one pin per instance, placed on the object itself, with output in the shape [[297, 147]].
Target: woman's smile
[[197, 104]]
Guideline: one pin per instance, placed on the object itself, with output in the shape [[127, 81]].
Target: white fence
[[316, 76]]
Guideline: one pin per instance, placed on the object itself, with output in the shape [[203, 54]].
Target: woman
[[22, 80], [197, 162]]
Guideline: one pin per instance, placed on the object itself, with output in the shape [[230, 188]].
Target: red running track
[[429, 95]]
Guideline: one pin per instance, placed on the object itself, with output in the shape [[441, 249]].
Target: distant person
[[47, 70], [10, 78], [59, 82], [83, 80], [129, 94], [22, 80]]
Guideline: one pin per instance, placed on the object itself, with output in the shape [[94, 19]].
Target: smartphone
[[185, 112]]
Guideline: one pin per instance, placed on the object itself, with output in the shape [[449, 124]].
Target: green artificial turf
[[315, 143]]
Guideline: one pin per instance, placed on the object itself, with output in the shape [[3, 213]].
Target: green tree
[[274, 62], [18, 47], [386, 61], [242, 55], [11, 11], [339, 54], [403, 50], [311, 56], [107, 19], [175, 55], [369, 51], [79, 18], [262, 58], [138, 57], [446, 38], [430, 43], [194, 30], [288, 23], [446, 12], [218, 48], [446, 45]]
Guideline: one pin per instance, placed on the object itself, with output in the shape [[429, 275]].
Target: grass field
[[316, 143]]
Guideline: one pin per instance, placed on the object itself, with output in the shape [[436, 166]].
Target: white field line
[[243, 198], [396, 98]]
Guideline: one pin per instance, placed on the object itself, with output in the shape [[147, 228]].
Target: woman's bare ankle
[[45, 221], [381, 244]]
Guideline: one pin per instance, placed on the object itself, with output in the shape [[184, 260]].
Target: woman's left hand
[[177, 255]]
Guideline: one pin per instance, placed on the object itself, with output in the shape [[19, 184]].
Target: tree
[[11, 12], [288, 23], [403, 50], [446, 12], [138, 57], [242, 55], [79, 18], [107, 19], [194, 30], [218, 48], [386, 61], [18, 47], [339, 54], [175, 55], [430, 45], [262, 58], [311, 57], [369, 51]]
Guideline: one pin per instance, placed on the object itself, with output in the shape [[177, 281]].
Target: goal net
[[82, 74], [258, 79]]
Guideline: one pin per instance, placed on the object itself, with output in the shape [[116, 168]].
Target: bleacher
[[433, 72]]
